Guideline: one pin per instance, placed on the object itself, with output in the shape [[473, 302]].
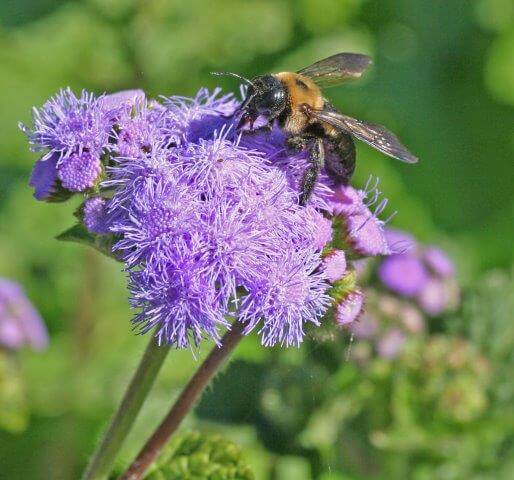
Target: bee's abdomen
[[340, 157]]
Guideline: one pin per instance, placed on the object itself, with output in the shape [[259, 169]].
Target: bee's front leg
[[310, 177]]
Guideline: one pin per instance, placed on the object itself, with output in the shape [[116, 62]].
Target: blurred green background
[[443, 80]]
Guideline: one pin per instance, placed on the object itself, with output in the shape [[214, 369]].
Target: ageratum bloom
[[425, 274], [20, 323], [74, 132], [361, 229], [206, 218], [210, 227]]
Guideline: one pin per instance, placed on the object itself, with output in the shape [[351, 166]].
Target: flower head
[[403, 274], [67, 124], [20, 323], [349, 307], [362, 229], [334, 265], [96, 217], [423, 273], [211, 228], [78, 172], [288, 294], [205, 217], [74, 132]]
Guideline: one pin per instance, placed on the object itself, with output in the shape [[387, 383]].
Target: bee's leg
[[317, 158], [297, 143], [340, 158]]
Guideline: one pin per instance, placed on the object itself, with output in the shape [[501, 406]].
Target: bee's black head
[[266, 96]]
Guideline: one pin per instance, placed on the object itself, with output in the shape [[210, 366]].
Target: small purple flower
[[67, 124], [334, 265], [175, 298], [364, 230], [403, 274], [399, 241], [44, 178], [78, 172], [96, 215], [423, 273], [140, 132], [391, 344], [74, 132], [192, 119], [349, 307], [438, 262], [347, 201], [20, 323], [433, 298]]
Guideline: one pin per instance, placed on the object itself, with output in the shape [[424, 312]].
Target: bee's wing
[[375, 135], [337, 69]]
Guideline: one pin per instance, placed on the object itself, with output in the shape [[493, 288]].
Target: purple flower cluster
[[425, 274], [211, 228], [75, 133], [206, 218], [20, 323], [362, 230]]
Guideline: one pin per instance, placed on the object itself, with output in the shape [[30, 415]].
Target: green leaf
[[79, 234]]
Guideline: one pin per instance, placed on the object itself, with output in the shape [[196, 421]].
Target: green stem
[[101, 463], [185, 402]]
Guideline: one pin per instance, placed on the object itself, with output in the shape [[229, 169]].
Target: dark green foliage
[[198, 456]]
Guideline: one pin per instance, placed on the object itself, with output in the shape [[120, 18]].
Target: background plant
[[442, 76]]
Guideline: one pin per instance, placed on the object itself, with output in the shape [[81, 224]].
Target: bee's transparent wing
[[375, 135], [337, 69]]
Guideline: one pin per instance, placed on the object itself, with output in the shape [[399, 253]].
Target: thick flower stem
[[184, 403], [101, 463]]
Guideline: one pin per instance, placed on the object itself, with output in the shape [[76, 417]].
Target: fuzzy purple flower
[[363, 230], [211, 228], [349, 308], [78, 172], [403, 274], [20, 323], [95, 215], [206, 218], [423, 273], [334, 265], [67, 124], [74, 132]]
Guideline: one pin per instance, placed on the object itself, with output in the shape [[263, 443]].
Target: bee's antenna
[[236, 75]]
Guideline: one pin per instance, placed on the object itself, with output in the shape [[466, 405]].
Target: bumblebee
[[295, 101]]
